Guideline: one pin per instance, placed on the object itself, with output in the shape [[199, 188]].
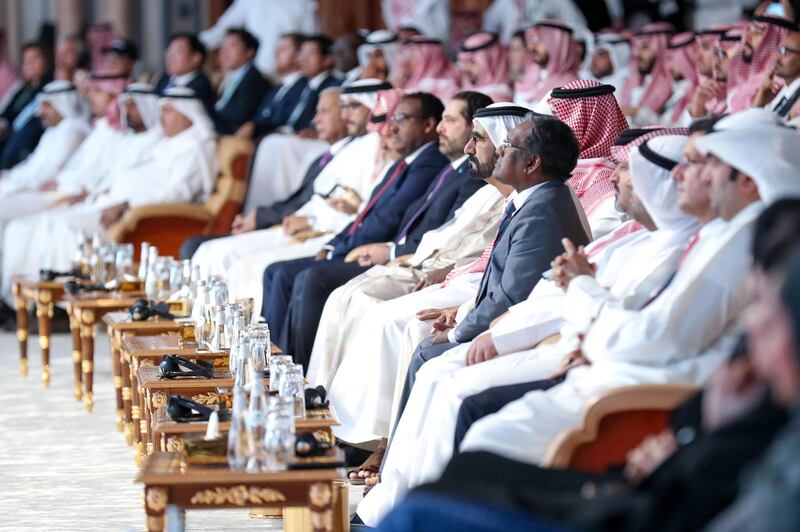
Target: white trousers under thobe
[[344, 310], [279, 166], [363, 389]]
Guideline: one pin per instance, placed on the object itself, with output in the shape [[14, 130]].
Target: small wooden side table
[[141, 351], [321, 491], [168, 435], [86, 310], [44, 294], [154, 391], [120, 324]]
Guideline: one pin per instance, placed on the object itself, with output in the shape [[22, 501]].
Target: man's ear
[[534, 164], [430, 125], [748, 185]]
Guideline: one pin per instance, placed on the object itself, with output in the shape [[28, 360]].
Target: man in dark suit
[[536, 159], [184, 62], [20, 130], [444, 195], [414, 139], [331, 128], [280, 100], [316, 61], [243, 86]]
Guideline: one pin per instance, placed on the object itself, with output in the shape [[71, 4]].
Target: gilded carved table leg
[[75, 331], [44, 314], [22, 329]]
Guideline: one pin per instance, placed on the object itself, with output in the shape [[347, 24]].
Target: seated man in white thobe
[[180, 169], [456, 243], [66, 125], [624, 273], [341, 186], [85, 169], [681, 334]]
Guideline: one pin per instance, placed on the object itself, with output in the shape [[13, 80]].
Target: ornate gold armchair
[[167, 225], [616, 422]]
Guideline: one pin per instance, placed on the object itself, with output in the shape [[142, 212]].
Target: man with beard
[[786, 102], [649, 82], [749, 69], [374, 323], [348, 312], [444, 195]]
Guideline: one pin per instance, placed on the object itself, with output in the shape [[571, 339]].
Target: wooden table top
[[36, 284], [163, 344], [122, 321], [315, 419], [149, 346], [166, 469], [150, 377], [102, 300]]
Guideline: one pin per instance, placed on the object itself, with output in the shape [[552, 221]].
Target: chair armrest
[[614, 423], [166, 225]]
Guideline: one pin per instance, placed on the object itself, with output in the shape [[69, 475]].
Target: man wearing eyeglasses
[[786, 102]]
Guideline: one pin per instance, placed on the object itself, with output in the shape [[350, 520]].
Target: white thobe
[[363, 389], [177, 169], [279, 166], [458, 241], [680, 337], [56, 146], [267, 21], [243, 258], [85, 170], [633, 268]]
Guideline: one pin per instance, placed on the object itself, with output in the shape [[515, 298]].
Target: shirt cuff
[[392, 250], [451, 335]]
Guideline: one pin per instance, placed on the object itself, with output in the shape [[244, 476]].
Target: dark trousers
[[277, 291], [425, 351], [190, 245], [309, 294], [491, 401]]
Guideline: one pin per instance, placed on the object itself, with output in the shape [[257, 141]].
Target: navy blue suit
[[306, 107], [200, 84], [242, 105], [16, 145], [391, 199], [273, 113]]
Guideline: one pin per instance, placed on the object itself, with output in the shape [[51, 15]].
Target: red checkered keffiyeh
[[591, 181], [745, 78], [477, 266], [486, 51], [562, 67], [620, 154], [658, 91], [682, 55], [596, 120]]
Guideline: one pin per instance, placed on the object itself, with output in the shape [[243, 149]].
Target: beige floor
[[62, 469]]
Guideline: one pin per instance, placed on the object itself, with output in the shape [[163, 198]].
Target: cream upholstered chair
[[616, 422], [168, 225]]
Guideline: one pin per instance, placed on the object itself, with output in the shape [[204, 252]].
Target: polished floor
[[66, 470]]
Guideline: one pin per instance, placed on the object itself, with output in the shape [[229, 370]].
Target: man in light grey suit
[[536, 160]]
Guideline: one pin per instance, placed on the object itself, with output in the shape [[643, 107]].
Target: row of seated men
[[394, 330], [87, 139]]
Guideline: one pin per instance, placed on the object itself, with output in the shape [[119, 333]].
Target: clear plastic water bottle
[[238, 445], [256, 424]]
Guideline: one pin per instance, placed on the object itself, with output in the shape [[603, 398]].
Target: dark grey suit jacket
[[524, 251]]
